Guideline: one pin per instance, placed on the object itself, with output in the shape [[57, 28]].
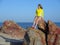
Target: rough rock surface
[[54, 34], [36, 37], [42, 24], [14, 30], [10, 30]]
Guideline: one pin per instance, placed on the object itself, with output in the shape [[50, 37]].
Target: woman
[[39, 15]]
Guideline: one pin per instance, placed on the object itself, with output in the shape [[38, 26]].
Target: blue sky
[[24, 10]]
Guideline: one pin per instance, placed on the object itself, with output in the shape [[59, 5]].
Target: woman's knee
[[39, 19]]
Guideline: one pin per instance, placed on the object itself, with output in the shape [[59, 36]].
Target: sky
[[24, 10]]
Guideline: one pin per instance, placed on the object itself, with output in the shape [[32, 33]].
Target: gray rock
[[36, 37]]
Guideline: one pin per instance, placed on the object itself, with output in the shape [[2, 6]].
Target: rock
[[58, 30], [0, 29], [6, 39], [42, 24], [2, 40], [53, 36], [10, 25], [4, 43], [52, 27], [57, 38], [12, 32], [36, 37], [13, 29]]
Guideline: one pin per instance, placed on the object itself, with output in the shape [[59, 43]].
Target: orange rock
[[42, 24], [11, 24], [58, 31], [53, 36], [36, 37], [11, 28]]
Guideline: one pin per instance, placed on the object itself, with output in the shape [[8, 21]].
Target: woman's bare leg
[[34, 23], [39, 19]]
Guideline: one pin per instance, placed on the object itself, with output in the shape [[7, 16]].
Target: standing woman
[[39, 15]]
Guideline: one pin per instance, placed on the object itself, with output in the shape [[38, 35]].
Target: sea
[[29, 24], [25, 25]]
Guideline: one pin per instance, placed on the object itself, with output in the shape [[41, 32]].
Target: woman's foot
[[33, 27]]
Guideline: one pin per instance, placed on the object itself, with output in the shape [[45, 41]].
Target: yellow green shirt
[[40, 12]]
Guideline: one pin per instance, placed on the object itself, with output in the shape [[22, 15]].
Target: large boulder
[[54, 34], [57, 38], [36, 37], [13, 29], [42, 24]]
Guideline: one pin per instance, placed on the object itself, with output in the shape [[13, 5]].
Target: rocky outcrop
[[11, 33], [42, 24], [36, 37], [54, 34], [13, 29], [51, 31], [46, 34]]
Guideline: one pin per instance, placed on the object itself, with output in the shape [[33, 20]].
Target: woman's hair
[[40, 6]]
